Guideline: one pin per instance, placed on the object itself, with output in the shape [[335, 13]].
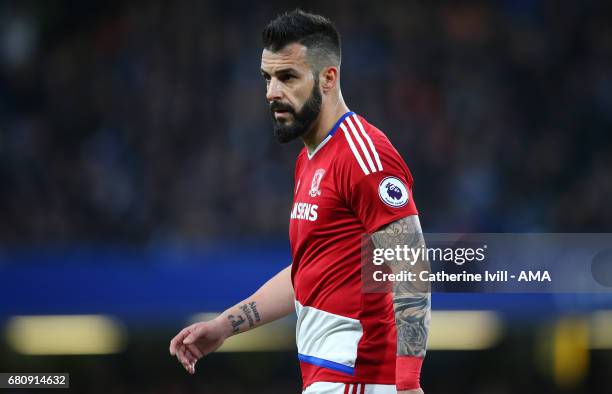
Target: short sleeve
[[382, 196]]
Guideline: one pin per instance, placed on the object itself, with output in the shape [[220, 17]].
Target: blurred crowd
[[134, 122]]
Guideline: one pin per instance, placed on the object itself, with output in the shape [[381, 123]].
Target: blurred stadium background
[[140, 187]]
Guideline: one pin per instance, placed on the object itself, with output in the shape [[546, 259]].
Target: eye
[[286, 77]]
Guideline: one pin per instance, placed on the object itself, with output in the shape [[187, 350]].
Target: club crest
[[316, 182]]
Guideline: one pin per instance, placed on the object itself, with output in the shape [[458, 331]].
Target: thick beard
[[302, 121]]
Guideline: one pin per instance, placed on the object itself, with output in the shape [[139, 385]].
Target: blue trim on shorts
[[319, 362]]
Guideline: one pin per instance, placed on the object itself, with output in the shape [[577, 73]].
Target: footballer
[[349, 181]]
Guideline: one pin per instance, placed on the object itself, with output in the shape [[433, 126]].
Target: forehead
[[291, 56]]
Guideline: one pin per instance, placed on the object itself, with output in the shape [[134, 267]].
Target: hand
[[415, 391], [197, 341]]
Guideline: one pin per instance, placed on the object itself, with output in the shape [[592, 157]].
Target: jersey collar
[[329, 135]]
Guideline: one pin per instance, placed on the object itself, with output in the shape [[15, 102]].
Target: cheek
[[302, 95]]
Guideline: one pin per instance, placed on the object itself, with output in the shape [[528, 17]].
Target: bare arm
[[411, 300], [273, 300]]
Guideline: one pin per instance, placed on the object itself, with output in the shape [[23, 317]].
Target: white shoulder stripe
[[361, 144], [354, 149], [367, 137]]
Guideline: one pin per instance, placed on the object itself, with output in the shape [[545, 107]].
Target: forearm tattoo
[[251, 314], [411, 300], [236, 322]]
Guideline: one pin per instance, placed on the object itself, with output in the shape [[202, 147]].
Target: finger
[[192, 361], [190, 357], [178, 339], [175, 341], [186, 355], [195, 351], [193, 336], [180, 354]]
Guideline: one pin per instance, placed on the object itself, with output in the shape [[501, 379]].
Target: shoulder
[[364, 148], [300, 159], [301, 155]]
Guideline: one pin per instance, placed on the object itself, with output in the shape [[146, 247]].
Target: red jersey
[[353, 183]]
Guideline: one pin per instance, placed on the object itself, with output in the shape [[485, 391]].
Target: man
[[349, 181]]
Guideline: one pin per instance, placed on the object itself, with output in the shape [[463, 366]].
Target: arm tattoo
[[253, 306], [250, 312], [236, 322], [247, 311], [411, 300]]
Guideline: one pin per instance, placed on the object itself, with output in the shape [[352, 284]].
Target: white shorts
[[349, 388]]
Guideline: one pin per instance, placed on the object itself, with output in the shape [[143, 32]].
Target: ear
[[329, 78]]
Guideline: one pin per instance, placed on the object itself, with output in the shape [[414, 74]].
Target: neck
[[327, 118]]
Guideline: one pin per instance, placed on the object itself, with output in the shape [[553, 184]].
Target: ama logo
[[393, 192]]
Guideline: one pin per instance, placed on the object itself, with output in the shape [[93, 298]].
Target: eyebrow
[[281, 71]]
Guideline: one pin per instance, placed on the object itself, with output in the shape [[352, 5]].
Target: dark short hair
[[315, 32]]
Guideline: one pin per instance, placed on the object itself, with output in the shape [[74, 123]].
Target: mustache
[[278, 106]]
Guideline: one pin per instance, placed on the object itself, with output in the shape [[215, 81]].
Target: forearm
[[272, 301], [411, 300], [412, 316]]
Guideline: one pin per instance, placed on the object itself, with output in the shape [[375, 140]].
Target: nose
[[273, 92]]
